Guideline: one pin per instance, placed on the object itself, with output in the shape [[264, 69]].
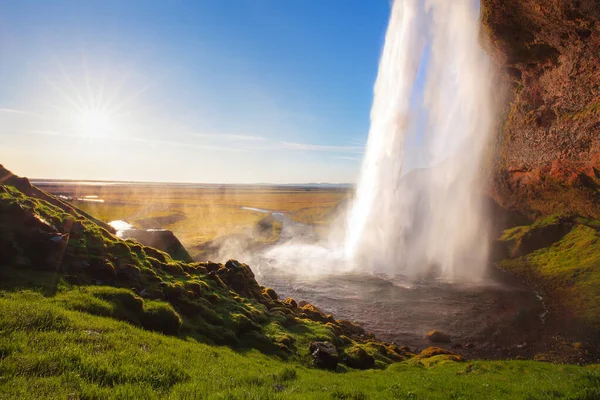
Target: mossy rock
[[358, 358], [161, 317]]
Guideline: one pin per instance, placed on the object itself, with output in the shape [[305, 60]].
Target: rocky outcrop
[[324, 355], [161, 239], [548, 147], [436, 336]]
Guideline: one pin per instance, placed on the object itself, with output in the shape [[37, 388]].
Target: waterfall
[[430, 220]]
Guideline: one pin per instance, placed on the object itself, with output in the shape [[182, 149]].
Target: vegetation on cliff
[[560, 257]]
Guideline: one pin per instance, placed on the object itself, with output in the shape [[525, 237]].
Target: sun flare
[[94, 123]]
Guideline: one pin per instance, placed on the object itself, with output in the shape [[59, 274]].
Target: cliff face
[[548, 147]]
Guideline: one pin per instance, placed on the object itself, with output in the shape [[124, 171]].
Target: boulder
[[161, 239], [436, 336], [357, 357], [313, 313], [290, 302], [324, 355], [438, 351]]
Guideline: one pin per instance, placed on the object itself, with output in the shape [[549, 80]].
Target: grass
[[90, 270], [567, 270], [47, 351], [117, 319]]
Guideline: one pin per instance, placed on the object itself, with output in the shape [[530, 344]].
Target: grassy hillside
[[47, 351], [51, 248]]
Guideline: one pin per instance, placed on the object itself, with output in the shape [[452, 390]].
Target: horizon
[[47, 181]]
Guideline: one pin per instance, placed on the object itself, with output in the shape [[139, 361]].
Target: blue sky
[[188, 91]]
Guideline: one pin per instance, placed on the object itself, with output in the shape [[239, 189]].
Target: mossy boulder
[[358, 358], [433, 351], [436, 336]]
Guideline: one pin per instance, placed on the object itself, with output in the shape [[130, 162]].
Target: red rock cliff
[[548, 147]]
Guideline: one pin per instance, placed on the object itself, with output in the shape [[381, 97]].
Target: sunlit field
[[201, 214]]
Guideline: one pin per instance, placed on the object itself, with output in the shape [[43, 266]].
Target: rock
[[542, 236], [548, 53], [357, 357], [324, 355], [271, 293], [160, 239], [350, 328], [313, 313], [436, 336], [290, 302], [236, 276], [436, 351]]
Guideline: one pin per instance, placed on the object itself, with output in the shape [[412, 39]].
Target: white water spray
[[431, 219]]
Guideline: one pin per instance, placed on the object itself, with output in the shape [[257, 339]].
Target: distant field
[[199, 215]]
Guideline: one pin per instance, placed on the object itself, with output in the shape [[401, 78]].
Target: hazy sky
[[188, 91]]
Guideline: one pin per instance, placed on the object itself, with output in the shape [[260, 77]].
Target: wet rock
[[324, 355], [436, 336], [357, 357], [271, 294], [291, 302]]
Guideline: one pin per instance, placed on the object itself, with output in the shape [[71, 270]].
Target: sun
[[94, 123]]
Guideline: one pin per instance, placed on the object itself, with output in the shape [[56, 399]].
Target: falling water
[[427, 221]]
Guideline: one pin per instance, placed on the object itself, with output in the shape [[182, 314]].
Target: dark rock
[[271, 294], [436, 336], [290, 302], [542, 236], [324, 355], [160, 239], [350, 328]]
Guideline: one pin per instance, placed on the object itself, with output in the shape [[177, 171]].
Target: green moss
[[568, 270], [49, 352], [161, 317]]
